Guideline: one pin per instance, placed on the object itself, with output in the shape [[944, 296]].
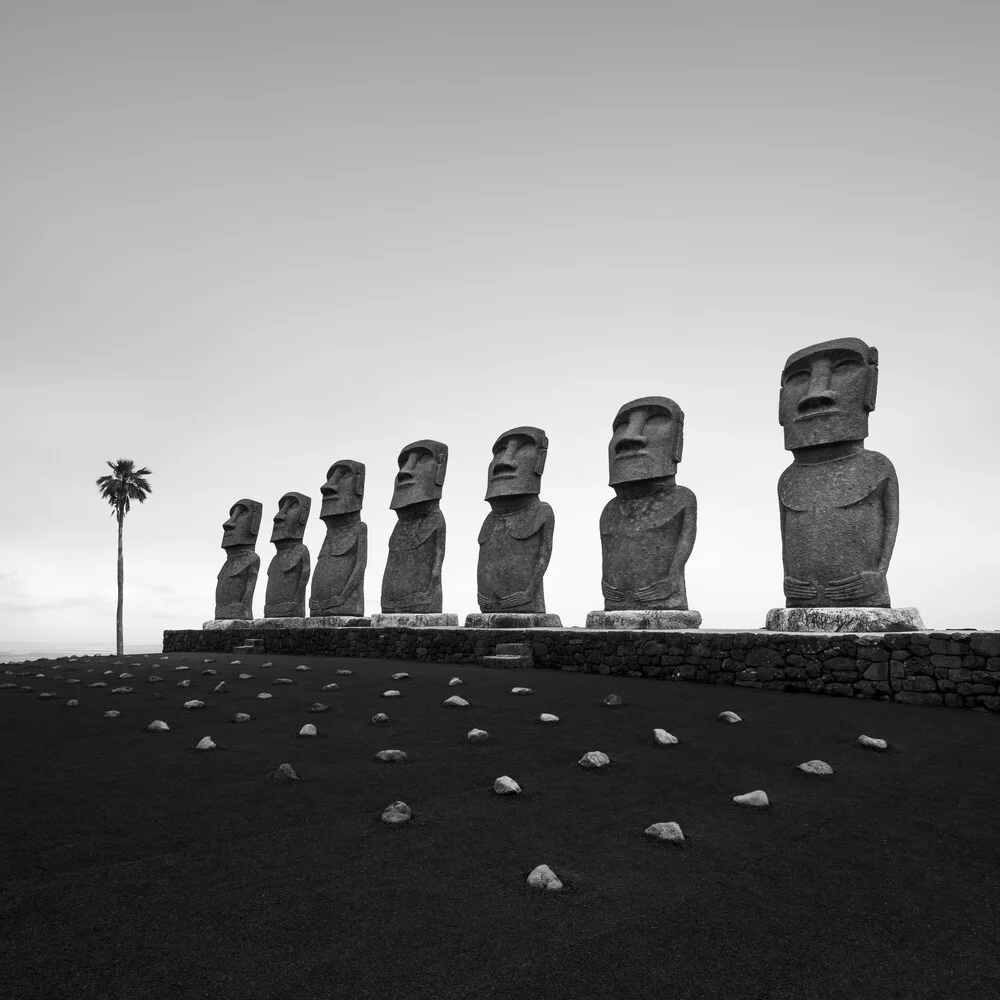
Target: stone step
[[247, 649], [504, 660], [514, 649]]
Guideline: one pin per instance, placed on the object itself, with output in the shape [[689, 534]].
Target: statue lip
[[503, 475], [619, 455], [820, 412]]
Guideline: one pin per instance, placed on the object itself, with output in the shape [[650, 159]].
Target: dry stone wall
[[952, 669]]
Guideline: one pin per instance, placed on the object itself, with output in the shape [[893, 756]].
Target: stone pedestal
[[276, 623], [512, 620], [414, 621], [844, 620], [659, 620], [337, 621], [226, 624]]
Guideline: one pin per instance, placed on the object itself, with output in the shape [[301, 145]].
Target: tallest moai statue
[[839, 502]]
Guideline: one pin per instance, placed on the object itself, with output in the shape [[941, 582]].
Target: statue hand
[[612, 595], [857, 586], [659, 591], [799, 590], [418, 599], [486, 604], [514, 600]]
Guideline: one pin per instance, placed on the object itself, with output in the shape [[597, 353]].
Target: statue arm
[[890, 512], [685, 543], [439, 540], [360, 564]]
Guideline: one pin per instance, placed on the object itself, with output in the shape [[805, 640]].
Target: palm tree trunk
[[121, 585]]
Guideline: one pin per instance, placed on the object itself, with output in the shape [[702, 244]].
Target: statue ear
[[543, 451], [255, 511], [304, 511], [871, 390], [359, 482], [442, 467], [679, 440]]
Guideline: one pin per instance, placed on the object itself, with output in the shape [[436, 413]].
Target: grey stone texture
[[505, 620], [411, 583], [839, 503], [238, 577], [338, 585], [844, 620], [414, 621], [228, 624], [288, 573], [515, 542], [950, 669], [633, 620], [648, 530]]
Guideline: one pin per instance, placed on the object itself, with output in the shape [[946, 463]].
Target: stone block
[[226, 624], [840, 690], [877, 672], [959, 674], [336, 621], [985, 643], [762, 656], [510, 620], [414, 621], [643, 620], [919, 684], [844, 620]]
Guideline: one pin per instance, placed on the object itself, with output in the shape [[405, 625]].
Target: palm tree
[[127, 484]]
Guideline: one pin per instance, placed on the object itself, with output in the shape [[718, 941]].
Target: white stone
[[594, 758], [548, 717], [219, 688], [505, 785], [205, 743], [543, 877], [164, 657], [232, 663], [210, 672], [398, 812], [285, 773], [106, 672], [121, 690], [302, 666], [380, 717], [183, 684], [665, 831], [477, 736], [391, 755], [344, 672], [454, 682], [72, 703], [816, 767], [663, 737], [98, 684], [403, 676], [241, 717], [245, 677], [51, 694], [728, 717], [520, 690], [111, 715], [270, 663], [206, 661], [125, 677], [308, 730], [181, 667], [332, 686], [263, 696], [153, 679], [613, 700], [194, 704], [757, 798], [870, 741], [318, 706], [455, 702], [391, 694], [158, 726]]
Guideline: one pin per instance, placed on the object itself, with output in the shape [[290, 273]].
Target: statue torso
[[509, 549]]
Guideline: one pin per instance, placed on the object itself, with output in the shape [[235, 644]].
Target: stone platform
[[635, 620], [844, 620], [414, 621], [503, 619]]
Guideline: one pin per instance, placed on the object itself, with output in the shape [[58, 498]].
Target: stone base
[[226, 624], [414, 621], [634, 620], [336, 621], [276, 623], [844, 620], [503, 619]]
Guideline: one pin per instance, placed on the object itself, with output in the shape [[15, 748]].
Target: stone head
[[647, 440], [290, 521], [827, 392], [422, 466], [344, 489], [518, 462], [243, 524]]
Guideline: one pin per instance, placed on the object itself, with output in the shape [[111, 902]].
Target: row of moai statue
[[838, 503]]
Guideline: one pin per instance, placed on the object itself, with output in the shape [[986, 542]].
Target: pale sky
[[243, 240]]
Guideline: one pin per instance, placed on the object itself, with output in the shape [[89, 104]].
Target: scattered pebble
[[506, 786], [548, 717], [121, 690], [98, 684], [210, 672], [403, 676], [613, 700], [816, 767], [52, 694], [477, 736], [232, 663], [455, 702], [391, 694], [665, 831], [543, 877], [380, 717], [263, 696], [332, 686], [245, 677], [282, 680], [270, 663], [194, 704], [181, 667], [72, 680], [302, 666], [868, 741], [125, 677], [520, 690], [318, 706], [72, 703], [162, 657], [728, 717], [153, 679], [308, 730], [219, 688], [106, 672], [345, 672], [241, 717], [663, 737], [285, 775], [205, 743], [391, 755], [157, 726], [112, 714], [12, 684], [757, 798], [594, 758], [398, 812], [454, 682], [183, 684], [213, 661]]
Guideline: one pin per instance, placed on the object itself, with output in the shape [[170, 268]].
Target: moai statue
[[648, 529], [411, 585], [515, 542], [288, 573], [238, 576], [338, 585], [839, 502]]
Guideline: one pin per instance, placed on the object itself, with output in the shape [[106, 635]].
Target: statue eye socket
[[848, 364], [797, 378]]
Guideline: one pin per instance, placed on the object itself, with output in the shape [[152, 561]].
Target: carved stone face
[[827, 392], [344, 489], [647, 441], [243, 524], [422, 466], [518, 462], [290, 521]]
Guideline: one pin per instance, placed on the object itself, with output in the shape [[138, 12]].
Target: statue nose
[[630, 442]]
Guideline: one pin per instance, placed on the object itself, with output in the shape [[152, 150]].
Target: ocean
[[18, 652]]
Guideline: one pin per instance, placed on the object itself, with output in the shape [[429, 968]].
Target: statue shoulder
[[611, 515], [410, 534], [339, 543], [527, 523], [834, 484]]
